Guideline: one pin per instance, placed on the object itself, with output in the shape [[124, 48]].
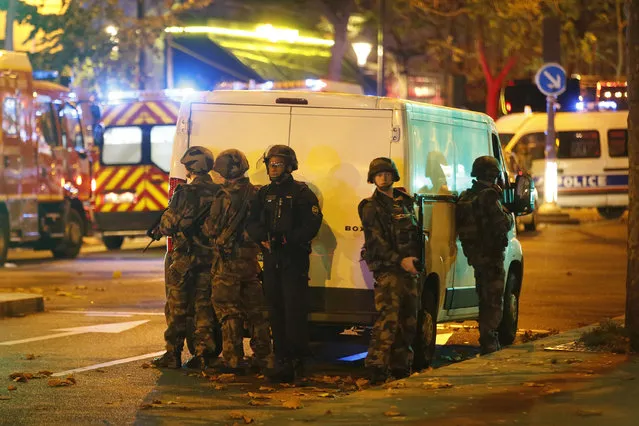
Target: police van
[[335, 137], [592, 156]]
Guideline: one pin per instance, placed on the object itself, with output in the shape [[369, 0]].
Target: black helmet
[[485, 167], [198, 160], [282, 151], [231, 163], [382, 164]]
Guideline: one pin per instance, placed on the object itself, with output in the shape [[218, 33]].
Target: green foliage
[[608, 335]]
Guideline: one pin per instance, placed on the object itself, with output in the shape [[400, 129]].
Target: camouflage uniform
[[237, 291], [188, 277], [483, 226], [391, 234]]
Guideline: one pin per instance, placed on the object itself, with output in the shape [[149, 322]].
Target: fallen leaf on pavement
[[293, 404], [266, 389], [287, 385], [20, 377], [327, 379], [258, 395], [397, 384], [12, 387], [4, 398], [392, 413], [589, 413], [299, 394], [220, 387], [256, 403], [29, 357], [247, 420], [236, 415], [436, 385], [362, 383], [533, 384], [146, 365], [171, 403], [63, 293], [56, 383], [81, 287], [551, 391], [326, 395], [225, 378], [42, 373], [574, 360]]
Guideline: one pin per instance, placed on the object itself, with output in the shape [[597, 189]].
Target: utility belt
[[235, 252]]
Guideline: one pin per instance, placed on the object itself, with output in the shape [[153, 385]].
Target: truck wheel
[[113, 243], [424, 343], [69, 246], [611, 212], [4, 238], [510, 319]]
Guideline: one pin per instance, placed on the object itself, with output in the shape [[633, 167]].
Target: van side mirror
[[523, 200], [98, 135]]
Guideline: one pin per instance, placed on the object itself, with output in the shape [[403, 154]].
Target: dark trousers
[[285, 283]]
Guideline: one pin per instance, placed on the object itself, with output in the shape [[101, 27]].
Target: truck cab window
[[122, 145], [45, 123], [71, 128]]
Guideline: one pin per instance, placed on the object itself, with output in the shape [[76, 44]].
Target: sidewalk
[[524, 384]]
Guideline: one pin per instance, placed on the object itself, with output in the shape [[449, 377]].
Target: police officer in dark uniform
[[284, 219], [483, 224]]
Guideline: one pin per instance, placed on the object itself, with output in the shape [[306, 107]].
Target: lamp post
[[362, 51]]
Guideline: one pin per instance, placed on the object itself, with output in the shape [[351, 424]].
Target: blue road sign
[[551, 79]]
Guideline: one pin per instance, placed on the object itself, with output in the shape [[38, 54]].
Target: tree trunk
[[339, 49], [493, 83], [8, 30], [632, 278], [620, 38]]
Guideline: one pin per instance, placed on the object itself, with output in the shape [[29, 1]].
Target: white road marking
[[112, 313], [117, 327], [108, 364]]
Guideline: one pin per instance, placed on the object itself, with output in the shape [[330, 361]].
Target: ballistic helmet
[[485, 167], [198, 160], [231, 164], [382, 164], [282, 151]]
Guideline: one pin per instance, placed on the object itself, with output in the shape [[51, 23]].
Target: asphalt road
[[104, 320]]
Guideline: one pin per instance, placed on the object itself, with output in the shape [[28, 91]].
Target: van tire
[[69, 246], [113, 243], [611, 212], [4, 238], [510, 319], [425, 340]]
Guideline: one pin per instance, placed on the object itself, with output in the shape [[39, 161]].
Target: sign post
[[551, 81]]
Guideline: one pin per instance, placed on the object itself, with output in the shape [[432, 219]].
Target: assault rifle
[[152, 231]]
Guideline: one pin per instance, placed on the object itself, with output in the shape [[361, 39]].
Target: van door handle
[[615, 169], [560, 170]]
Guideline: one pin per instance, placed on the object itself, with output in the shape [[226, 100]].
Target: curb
[[19, 304]]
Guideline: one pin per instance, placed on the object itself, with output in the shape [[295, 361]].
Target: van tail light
[[173, 183]]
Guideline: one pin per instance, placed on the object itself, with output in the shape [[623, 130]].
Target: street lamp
[[362, 50]]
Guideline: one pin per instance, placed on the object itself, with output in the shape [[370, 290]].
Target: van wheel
[[113, 243], [611, 212], [510, 319], [424, 343], [4, 238], [69, 246]]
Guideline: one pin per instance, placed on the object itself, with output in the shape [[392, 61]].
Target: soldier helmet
[[231, 163], [282, 151], [198, 160], [485, 167], [382, 164]]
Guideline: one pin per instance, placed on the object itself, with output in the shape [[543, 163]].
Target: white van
[[592, 156], [335, 137]]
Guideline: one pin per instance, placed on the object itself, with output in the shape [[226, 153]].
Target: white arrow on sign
[[117, 327], [555, 82]]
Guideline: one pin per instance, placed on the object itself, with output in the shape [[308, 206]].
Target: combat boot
[[284, 372], [200, 362], [170, 359], [377, 375]]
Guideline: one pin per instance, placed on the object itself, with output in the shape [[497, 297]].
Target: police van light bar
[[138, 95], [45, 74]]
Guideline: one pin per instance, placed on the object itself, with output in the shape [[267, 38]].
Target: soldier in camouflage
[[190, 263], [391, 251], [483, 224], [237, 291]]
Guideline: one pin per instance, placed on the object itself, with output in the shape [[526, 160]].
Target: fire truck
[[131, 177], [45, 180]]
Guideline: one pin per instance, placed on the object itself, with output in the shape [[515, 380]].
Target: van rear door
[[249, 128], [334, 147]]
